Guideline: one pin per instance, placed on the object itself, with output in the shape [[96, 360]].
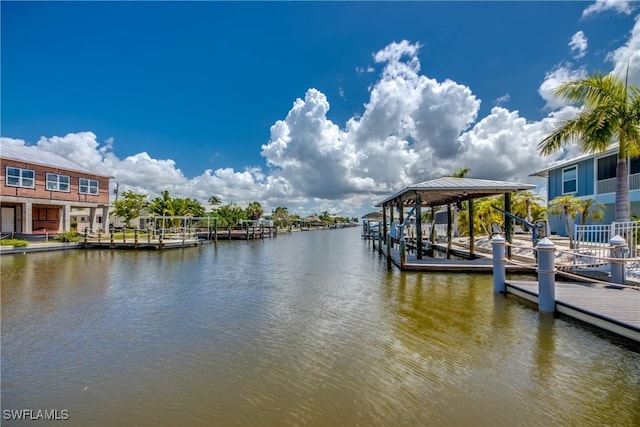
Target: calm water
[[308, 329]]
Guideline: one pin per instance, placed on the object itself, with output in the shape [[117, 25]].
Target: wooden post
[[86, 235], [418, 226], [546, 276], [391, 219], [472, 244], [449, 230], [499, 275], [507, 222], [403, 253], [400, 220], [111, 239], [99, 236], [135, 238], [215, 229], [384, 224]]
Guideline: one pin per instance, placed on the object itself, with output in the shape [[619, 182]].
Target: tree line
[[133, 205]]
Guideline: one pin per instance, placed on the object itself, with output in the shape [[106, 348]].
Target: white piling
[[546, 276], [619, 250], [499, 275]]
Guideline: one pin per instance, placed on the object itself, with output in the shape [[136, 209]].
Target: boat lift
[[538, 229]]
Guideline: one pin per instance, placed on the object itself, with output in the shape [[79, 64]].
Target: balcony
[[609, 185]]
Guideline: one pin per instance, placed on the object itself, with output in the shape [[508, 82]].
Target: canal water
[[307, 329]]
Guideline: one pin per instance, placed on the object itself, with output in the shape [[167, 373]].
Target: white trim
[[57, 182], [20, 177], [89, 186], [575, 167]]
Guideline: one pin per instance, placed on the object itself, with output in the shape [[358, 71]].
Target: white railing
[[606, 186], [594, 239], [609, 185]]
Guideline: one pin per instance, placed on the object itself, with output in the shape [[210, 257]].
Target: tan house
[[39, 190]]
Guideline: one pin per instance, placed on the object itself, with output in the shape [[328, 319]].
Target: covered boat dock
[[449, 192]]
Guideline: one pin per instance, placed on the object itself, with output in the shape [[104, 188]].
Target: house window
[[607, 167], [634, 166], [570, 180], [88, 186], [17, 177], [57, 182]]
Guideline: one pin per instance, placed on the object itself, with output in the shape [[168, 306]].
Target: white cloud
[[553, 80], [628, 54], [501, 100], [578, 44], [621, 6]]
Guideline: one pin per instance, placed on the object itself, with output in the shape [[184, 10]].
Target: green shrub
[[18, 243], [68, 236]]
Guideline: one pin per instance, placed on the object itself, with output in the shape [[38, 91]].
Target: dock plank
[[614, 308]]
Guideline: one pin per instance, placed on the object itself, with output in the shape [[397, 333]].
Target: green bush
[[68, 236], [18, 243]]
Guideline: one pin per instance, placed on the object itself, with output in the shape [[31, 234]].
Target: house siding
[[40, 190], [585, 177]]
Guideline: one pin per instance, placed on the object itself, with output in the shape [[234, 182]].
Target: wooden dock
[[244, 233], [156, 244], [480, 264], [609, 307]]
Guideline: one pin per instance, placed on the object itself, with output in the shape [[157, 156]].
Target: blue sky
[[388, 93]]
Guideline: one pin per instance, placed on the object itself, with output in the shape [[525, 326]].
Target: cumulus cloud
[[578, 45], [408, 120], [620, 6], [628, 55], [553, 80]]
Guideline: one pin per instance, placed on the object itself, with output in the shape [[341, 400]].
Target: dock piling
[[546, 276], [619, 250], [499, 275]]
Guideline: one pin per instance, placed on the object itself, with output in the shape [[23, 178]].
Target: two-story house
[[39, 190], [591, 176]]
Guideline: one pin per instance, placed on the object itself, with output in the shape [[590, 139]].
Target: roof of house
[[613, 148], [442, 191], [312, 218], [35, 155]]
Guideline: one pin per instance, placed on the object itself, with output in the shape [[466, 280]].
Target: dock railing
[[592, 244]]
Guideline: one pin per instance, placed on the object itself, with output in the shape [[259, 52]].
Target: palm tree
[[612, 112], [524, 204], [254, 211], [590, 208], [214, 200], [566, 205]]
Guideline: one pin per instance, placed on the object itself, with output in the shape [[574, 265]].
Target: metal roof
[[447, 190], [35, 155], [373, 215]]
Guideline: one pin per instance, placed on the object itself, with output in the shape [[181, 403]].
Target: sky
[[314, 106]]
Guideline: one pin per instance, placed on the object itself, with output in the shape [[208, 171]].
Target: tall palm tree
[[567, 206], [611, 112]]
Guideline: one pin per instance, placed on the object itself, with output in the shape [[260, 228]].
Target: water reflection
[[306, 329]]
